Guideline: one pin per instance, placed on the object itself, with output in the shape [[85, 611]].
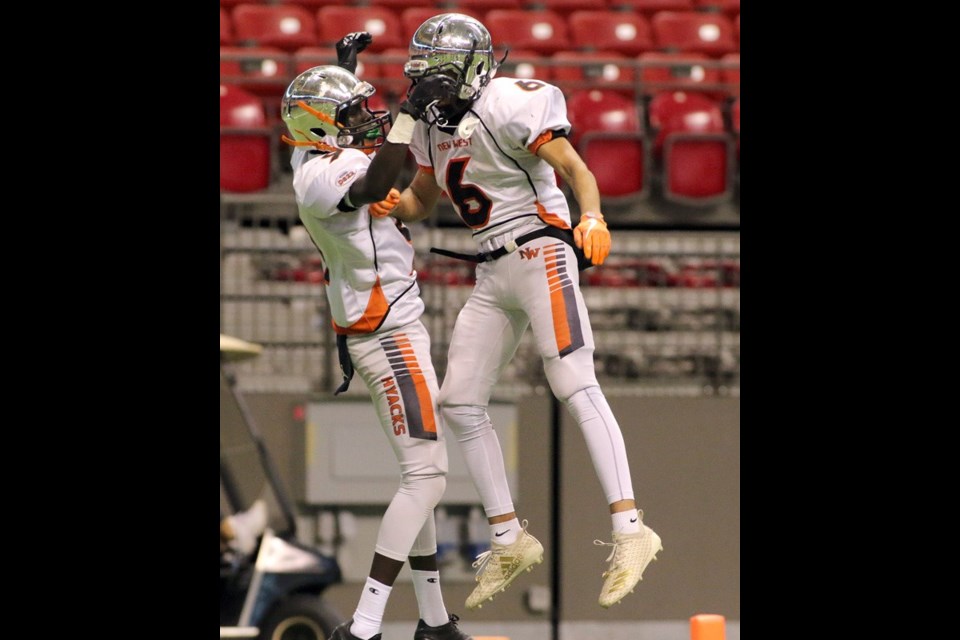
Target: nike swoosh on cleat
[[497, 535], [632, 520]]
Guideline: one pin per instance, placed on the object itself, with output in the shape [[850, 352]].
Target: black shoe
[[342, 632], [447, 631]]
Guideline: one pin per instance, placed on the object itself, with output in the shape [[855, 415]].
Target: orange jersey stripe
[[542, 139], [551, 219], [373, 315]]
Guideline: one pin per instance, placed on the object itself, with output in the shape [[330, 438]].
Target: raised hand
[[349, 46]]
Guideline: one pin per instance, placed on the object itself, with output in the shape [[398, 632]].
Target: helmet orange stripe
[[316, 114]]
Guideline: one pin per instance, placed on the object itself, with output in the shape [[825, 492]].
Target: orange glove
[[592, 236], [383, 208]]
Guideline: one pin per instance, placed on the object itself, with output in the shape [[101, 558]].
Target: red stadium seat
[[672, 111], [620, 31], [693, 148], [245, 142], [692, 31], [680, 72], [262, 71], [618, 162], [334, 21], [526, 64], [578, 70], [736, 29], [285, 26], [649, 7], [226, 28], [607, 131], [596, 110], [542, 31]]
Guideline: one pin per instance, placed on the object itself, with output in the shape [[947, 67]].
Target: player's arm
[[383, 171], [419, 199], [591, 233], [561, 155], [376, 185]]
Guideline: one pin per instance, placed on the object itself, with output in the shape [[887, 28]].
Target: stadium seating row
[[649, 105], [290, 27], [684, 144], [266, 71], [646, 7]]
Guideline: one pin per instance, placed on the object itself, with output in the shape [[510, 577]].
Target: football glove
[[383, 208], [425, 92], [349, 46], [593, 237]]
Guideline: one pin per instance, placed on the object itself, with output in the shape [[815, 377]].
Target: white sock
[[426, 586], [505, 532], [626, 521], [368, 618]]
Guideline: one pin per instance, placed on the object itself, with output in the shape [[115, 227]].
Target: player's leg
[[549, 289], [485, 338], [435, 623], [398, 371]]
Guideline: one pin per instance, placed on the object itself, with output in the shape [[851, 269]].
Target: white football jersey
[[489, 168], [368, 262]]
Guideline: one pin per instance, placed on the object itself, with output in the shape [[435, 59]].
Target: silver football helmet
[[457, 45], [329, 101]]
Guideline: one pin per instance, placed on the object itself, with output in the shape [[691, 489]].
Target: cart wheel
[[300, 617]]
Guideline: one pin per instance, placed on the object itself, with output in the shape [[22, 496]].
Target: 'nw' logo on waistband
[[529, 254]]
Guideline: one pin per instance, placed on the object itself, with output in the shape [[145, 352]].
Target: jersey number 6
[[473, 205]]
